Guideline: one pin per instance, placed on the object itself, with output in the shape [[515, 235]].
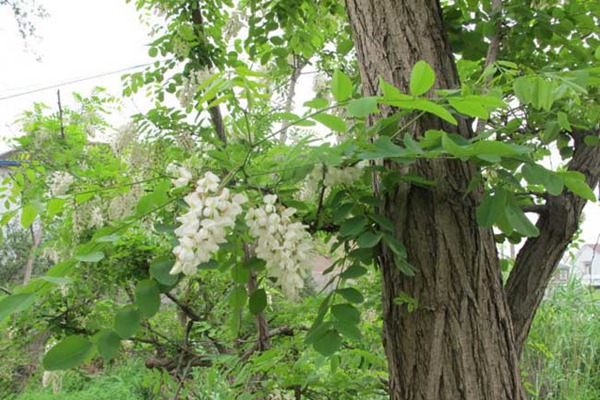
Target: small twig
[[187, 310], [492, 53], [60, 116], [5, 290]]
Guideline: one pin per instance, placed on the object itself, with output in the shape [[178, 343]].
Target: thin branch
[[299, 64], [60, 116], [187, 310], [492, 52]]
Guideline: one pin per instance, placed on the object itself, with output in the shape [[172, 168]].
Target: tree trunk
[[459, 343]]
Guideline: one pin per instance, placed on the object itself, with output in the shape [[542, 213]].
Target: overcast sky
[[83, 38]]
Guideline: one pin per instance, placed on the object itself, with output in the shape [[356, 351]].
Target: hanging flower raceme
[[212, 212], [286, 246], [181, 175]]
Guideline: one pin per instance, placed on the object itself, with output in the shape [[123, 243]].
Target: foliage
[[117, 213]]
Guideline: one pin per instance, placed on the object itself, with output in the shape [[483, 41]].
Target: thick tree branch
[[539, 257]]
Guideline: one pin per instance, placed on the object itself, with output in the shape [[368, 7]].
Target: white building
[[586, 264]]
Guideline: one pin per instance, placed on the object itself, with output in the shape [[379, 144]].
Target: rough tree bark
[[465, 339], [459, 343]]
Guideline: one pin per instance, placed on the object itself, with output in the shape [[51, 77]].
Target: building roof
[[594, 247], [4, 159]]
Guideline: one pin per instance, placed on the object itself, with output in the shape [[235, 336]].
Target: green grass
[[562, 357], [123, 382]]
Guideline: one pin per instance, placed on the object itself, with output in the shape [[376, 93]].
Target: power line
[[12, 96]]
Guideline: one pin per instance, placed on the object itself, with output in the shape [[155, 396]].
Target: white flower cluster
[[125, 138], [286, 246], [342, 176], [204, 226], [60, 182], [87, 216], [233, 26], [181, 174], [190, 85], [122, 206]]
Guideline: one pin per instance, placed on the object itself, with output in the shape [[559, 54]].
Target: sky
[[83, 38]]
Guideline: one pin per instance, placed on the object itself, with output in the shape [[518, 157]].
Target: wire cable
[[12, 96]]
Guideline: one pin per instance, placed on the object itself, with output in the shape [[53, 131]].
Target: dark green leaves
[[147, 297], [160, 269], [502, 209], [328, 343], [350, 294], [575, 182], [127, 322], [108, 344], [14, 303], [258, 301], [68, 353], [491, 208]]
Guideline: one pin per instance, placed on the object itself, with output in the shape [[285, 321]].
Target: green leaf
[[92, 256], [354, 271], [108, 343], [160, 269], [591, 140], [575, 182], [15, 303], [469, 107], [28, 215], [404, 266], [341, 86], [563, 121], [363, 107], [331, 121], [348, 329], [395, 246], [422, 78], [455, 149], [317, 103], [491, 208], [127, 322], [237, 297], [346, 312], [258, 301], [391, 92], [385, 148], [147, 297], [353, 226], [54, 206], [494, 147], [435, 109], [68, 353], [368, 239], [351, 294], [519, 221], [328, 343]]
